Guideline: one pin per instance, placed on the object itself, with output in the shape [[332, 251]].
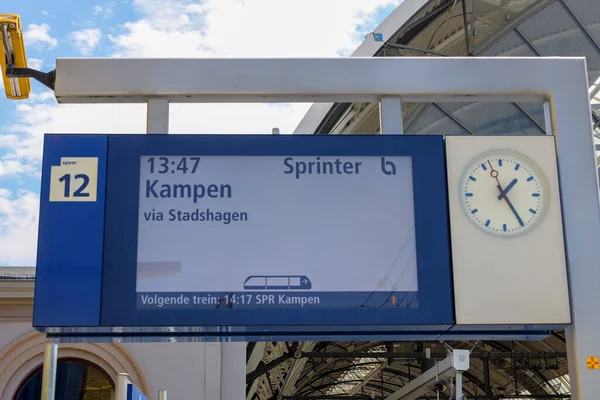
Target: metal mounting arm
[[12, 71], [45, 78]]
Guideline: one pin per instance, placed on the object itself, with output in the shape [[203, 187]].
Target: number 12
[[79, 192]]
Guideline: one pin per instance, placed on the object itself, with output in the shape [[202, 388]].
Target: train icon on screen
[[277, 282]]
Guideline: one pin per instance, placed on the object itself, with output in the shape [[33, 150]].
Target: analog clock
[[504, 193]]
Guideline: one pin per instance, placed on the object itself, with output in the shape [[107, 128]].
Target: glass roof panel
[[493, 118], [553, 32], [491, 15], [510, 45], [583, 9], [433, 121], [535, 111]]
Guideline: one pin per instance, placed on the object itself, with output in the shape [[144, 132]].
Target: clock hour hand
[[507, 189]]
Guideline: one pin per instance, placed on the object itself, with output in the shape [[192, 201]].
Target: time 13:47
[[164, 165]]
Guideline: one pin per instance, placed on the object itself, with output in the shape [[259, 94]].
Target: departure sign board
[[244, 232], [288, 217]]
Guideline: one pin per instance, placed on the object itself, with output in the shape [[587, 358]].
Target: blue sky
[[155, 28]]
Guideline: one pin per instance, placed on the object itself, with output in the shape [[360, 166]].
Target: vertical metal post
[[162, 395], [49, 374], [459, 385], [121, 386], [157, 119], [233, 371], [486, 379], [225, 374], [390, 115], [427, 362], [548, 118]]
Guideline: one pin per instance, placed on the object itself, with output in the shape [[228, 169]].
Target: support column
[[49, 374], [459, 395], [548, 118], [157, 120], [121, 386], [233, 371], [225, 371], [579, 201], [224, 363], [390, 116], [486, 378]]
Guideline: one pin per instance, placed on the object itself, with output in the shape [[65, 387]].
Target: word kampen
[[186, 191]]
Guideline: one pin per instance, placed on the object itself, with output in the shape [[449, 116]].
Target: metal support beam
[[417, 49], [289, 386], [250, 377], [486, 378], [472, 31], [49, 372], [390, 116], [466, 26], [439, 356], [232, 80], [255, 353], [472, 397]]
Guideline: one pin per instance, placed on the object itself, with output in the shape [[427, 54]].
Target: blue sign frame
[[87, 252]]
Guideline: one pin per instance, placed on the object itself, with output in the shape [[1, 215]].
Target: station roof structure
[[440, 28], [508, 28]]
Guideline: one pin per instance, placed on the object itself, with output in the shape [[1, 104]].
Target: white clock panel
[[506, 231], [504, 193]]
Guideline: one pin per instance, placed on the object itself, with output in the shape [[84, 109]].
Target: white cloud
[[36, 35], [18, 227], [35, 63], [86, 40], [178, 28], [105, 11], [251, 28], [12, 167], [222, 28]]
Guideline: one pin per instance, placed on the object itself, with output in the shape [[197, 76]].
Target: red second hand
[[494, 174]]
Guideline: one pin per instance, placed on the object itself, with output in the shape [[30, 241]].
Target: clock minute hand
[[494, 174]]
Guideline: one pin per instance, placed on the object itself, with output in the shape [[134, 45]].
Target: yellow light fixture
[[13, 54]]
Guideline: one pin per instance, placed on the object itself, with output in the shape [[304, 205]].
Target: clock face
[[504, 193]]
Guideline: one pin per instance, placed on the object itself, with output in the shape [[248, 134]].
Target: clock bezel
[[532, 165]]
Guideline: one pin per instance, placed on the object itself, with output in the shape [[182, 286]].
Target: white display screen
[[309, 231]]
